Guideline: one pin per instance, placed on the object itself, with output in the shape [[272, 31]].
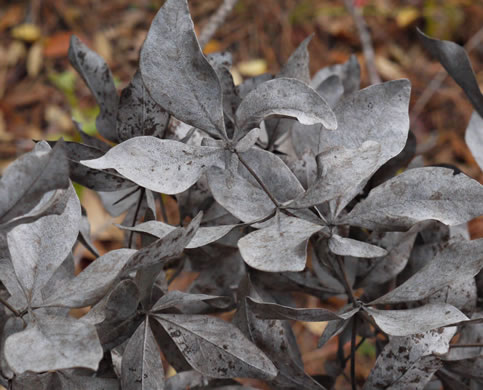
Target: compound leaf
[[97, 76], [456, 62], [138, 113], [416, 195], [418, 320], [456, 262], [37, 249], [279, 247], [53, 343], [216, 348], [141, 366], [160, 165], [177, 74], [28, 178], [287, 97]]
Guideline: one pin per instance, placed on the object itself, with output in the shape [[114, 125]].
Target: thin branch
[[259, 181], [477, 345], [215, 21], [440, 77], [9, 307], [345, 280], [366, 40], [138, 207], [353, 353]]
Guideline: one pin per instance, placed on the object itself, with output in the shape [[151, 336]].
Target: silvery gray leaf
[[403, 354], [344, 173], [474, 137], [394, 262], [28, 178], [348, 72], [105, 180], [345, 246], [85, 234], [417, 320], [379, 113], [164, 249], [91, 140], [456, 62], [331, 89], [203, 236], [51, 203], [142, 368], [456, 262], [221, 63], [248, 140], [93, 282], [216, 348], [63, 274], [273, 172], [275, 311], [117, 202], [280, 247], [471, 333], [186, 379], [304, 168], [38, 248], [463, 295], [240, 197], [177, 74], [177, 298], [70, 381], [275, 338], [165, 166], [53, 343], [98, 78], [336, 327], [297, 66], [286, 97], [250, 84], [117, 305], [401, 202], [138, 113]]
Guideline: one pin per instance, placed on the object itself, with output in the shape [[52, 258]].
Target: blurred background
[[40, 92]]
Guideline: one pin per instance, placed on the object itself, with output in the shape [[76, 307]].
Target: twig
[[9, 307], [440, 77], [216, 20], [345, 280], [366, 40], [353, 353], [264, 187], [138, 207], [477, 345]]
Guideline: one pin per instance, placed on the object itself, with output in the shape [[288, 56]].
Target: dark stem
[[259, 181], [126, 196], [353, 353], [138, 207], [264, 187], [164, 214], [9, 307], [356, 348], [345, 280], [477, 345]]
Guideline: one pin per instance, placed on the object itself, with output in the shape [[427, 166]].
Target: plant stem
[[476, 345], [353, 353], [138, 207], [345, 280], [9, 307]]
